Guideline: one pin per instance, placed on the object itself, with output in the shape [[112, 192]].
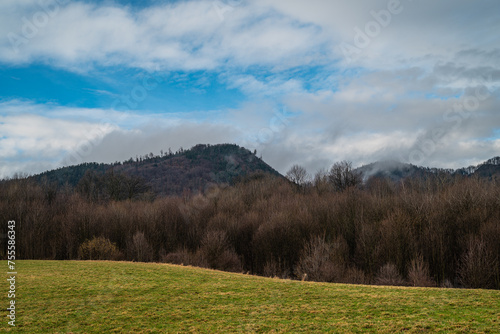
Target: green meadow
[[125, 297]]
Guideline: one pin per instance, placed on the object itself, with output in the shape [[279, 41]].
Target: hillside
[[392, 170], [489, 169], [396, 171], [173, 173], [103, 297]]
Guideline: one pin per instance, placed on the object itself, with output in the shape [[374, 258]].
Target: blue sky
[[301, 82]]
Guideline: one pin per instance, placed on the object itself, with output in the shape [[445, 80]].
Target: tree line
[[332, 227]]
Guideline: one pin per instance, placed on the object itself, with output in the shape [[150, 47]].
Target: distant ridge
[[490, 164], [396, 171], [390, 169]]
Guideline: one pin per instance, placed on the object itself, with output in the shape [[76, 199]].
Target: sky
[[302, 82]]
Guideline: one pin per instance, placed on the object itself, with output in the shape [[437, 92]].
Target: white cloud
[[191, 35], [32, 141], [182, 35]]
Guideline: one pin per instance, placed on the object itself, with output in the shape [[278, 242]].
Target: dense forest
[[441, 230]]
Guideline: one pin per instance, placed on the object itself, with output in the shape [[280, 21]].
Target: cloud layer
[[322, 81]]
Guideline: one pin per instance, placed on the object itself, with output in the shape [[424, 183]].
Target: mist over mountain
[[390, 169], [397, 171]]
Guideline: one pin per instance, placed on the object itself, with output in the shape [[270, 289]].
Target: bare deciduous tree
[[342, 176], [143, 251], [478, 265], [298, 175], [321, 182]]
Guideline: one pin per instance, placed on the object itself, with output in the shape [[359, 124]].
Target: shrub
[[229, 261], [354, 275], [181, 256], [99, 248], [418, 274], [447, 284], [274, 268], [389, 275], [215, 249], [321, 261]]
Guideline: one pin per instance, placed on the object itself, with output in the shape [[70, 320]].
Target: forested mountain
[[165, 174], [397, 171], [389, 169], [489, 169]]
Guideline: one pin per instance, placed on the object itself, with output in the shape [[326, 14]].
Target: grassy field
[[123, 297]]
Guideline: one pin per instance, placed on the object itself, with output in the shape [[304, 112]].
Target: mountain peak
[[189, 170]]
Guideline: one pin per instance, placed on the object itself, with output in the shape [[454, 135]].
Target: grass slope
[[101, 297]]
